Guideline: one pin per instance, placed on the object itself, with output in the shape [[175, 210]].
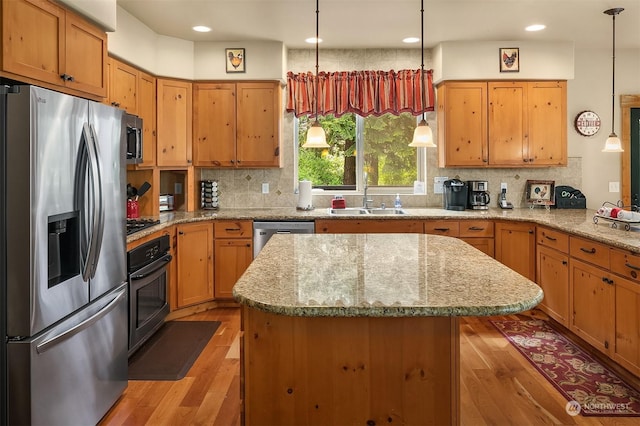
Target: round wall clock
[[587, 123]]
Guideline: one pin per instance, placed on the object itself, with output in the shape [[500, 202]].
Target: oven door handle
[[150, 269]]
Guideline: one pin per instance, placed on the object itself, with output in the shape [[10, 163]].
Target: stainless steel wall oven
[[148, 302]]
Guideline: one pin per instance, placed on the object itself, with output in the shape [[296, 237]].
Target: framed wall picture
[[235, 60], [509, 59], [541, 192]]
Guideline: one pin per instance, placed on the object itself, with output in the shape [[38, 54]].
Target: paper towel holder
[[305, 205]]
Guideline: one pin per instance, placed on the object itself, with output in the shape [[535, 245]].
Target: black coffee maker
[[455, 194]]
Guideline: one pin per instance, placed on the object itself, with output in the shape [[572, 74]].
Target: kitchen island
[[363, 328]]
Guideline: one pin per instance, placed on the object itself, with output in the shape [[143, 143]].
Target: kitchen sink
[[351, 211], [386, 211]]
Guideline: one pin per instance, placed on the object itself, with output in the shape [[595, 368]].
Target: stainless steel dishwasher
[[262, 231]]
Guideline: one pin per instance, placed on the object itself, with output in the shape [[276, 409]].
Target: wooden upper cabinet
[[502, 124], [462, 123], [547, 106], [258, 120], [214, 124], [237, 124], [174, 127], [44, 42], [33, 37], [123, 86], [507, 123], [147, 111], [85, 56]]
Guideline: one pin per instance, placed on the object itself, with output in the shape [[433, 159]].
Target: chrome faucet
[[365, 199]]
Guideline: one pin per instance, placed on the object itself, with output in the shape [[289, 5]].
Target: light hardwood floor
[[498, 386]]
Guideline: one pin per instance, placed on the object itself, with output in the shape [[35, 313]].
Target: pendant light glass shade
[[613, 143], [316, 138], [422, 136]]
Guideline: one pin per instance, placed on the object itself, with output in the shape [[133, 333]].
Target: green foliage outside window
[[388, 159]]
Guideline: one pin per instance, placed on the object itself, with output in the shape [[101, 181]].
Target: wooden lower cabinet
[[233, 254], [479, 234], [357, 226], [627, 307], [515, 245], [553, 278], [233, 257], [195, 263], [485, 245], [592, 298]]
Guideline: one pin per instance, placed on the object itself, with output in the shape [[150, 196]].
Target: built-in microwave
[[134, 138]]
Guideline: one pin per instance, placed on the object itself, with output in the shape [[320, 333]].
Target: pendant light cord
[[424, 115], [317, 56], [613, 73]]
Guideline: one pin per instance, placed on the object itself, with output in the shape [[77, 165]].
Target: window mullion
[[359, 152]]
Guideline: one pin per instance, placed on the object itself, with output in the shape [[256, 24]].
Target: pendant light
[[613, 143], [316, 138], [422, 136]]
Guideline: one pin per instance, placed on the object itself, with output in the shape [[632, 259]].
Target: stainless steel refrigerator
[[62, 256]]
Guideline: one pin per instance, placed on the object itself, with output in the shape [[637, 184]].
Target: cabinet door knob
[[180, 232]]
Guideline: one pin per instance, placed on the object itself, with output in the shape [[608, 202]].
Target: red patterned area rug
[[591, 388]]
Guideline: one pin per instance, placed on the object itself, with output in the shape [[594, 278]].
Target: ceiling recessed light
[[410, 40], [312, 40], [201, 29], [535, 27]]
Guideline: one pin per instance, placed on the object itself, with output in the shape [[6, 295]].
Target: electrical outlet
[[265, 187], [614, 186], [438, 184], [177, 188], [503, 185]]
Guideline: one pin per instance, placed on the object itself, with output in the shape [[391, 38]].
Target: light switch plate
[[265, 187], [438, 184], [614, 186]]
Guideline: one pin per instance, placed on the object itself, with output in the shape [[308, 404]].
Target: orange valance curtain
[[362, 92]]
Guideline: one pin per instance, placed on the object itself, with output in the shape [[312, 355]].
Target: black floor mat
[[170, 353]]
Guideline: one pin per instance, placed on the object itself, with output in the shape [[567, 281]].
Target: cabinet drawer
[[476, 228], [551, 238], [233, 229], [589, 251], [450, 228], [626, 264]]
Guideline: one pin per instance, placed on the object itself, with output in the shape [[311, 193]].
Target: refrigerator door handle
[[97, 231], [81, 201], [65, 335]]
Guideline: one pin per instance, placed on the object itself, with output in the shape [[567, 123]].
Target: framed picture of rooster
[[509, 59], [235, 60]]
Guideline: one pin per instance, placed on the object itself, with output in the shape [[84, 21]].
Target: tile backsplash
[[243, 188]]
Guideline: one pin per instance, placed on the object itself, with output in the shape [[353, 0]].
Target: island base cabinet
[[346, 370]]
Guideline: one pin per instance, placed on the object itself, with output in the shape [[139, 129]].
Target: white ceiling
[[383, 24]]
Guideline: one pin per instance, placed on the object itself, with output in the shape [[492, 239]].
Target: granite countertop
[[575, 222], [381, 275]]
